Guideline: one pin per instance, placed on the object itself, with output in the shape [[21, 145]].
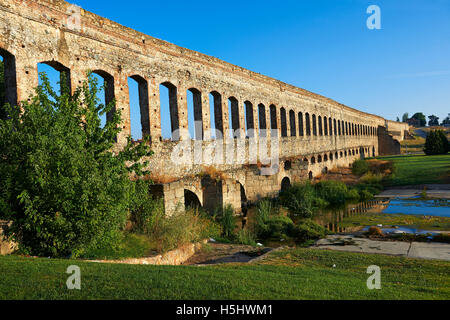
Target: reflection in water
[[330, 217]]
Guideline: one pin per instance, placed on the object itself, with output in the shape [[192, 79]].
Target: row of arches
[[242, 119], [363, 152]]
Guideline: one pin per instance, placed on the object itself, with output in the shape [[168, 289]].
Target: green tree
[[436, 143], [421, 117], [398, 119], [434, 121], [446, 121], [62, 185], [405, 117]]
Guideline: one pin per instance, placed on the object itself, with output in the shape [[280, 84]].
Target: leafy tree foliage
[[405, 117], [62, 184], [436, 143], [421, 117], [446, 121], [434, 121]]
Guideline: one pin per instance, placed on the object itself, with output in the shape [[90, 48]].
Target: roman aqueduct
[[313, 133]]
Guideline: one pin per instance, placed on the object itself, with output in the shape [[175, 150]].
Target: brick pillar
[[225, 116], [27, 79], [206, 118], [123, 106], [154, 109], [183, 113], [242, 124]]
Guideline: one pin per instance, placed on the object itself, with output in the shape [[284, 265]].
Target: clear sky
[[320, 45]]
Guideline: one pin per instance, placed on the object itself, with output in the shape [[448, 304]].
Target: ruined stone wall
[[309, 126]]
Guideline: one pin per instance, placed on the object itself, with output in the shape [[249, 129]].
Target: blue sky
[[320, 45]]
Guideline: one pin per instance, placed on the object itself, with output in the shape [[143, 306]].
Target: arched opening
[[249, 122], [314, 124], [325, 157], [305, 161], [8, 82], [191, 200], [195, 113], [139, 107], [106, 93], [292, 123], [313, 160], [283, 121], [373, 151], [262, 119], [273, 121], [334, 127], [285, 184], [287, 165], [57, 73], [331, 157], [300, 124], [215, 108], [320, 125], [233, 111], [170, 123], [325, 126], [319, 159], [336, 156], [310, 175], [341, 154], [325, 170], [308, 124]]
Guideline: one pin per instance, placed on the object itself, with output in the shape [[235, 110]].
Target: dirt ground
[[215, 253]]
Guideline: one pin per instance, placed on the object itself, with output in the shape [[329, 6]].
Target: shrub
[[301, 200], [144, 209], [371, 178], [182, 227], [246, 236], [334, 192], [375, 231], [308, 230], [360, 167], [353, 194], [436, 143], [61, 183], [228, 222]]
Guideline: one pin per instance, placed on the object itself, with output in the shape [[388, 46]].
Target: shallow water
[[440, 208]]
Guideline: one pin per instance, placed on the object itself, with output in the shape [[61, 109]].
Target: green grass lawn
[[419, 169], [288, 274]]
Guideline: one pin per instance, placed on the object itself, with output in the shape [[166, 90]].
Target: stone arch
[[212, 194], [314, 125], [283, 121], [285, 183], [171, 114], [300, 124], [310, 175], [216, 114], [292, 124], [319, 120], [336, 155], [325, 157], [143, 105], [109, 90], [319, 158], [313, 160], [233, 110], [325, 126], [325, 170], [191, 199], [262, 118], [249, 119], [331, 156], [9, 91], [308, 124], [64, 73], [195, 114], [273, 121]]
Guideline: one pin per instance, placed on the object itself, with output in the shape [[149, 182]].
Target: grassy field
[[419, 169], [288, 274]]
